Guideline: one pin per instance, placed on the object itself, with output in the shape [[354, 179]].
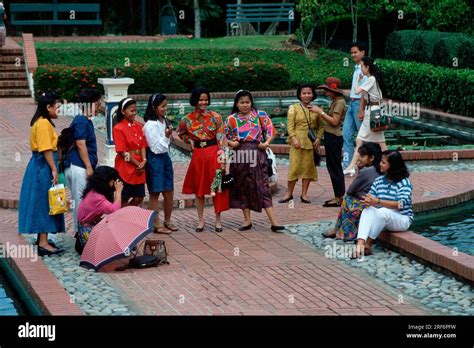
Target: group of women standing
[[143, 157], [371, 203]]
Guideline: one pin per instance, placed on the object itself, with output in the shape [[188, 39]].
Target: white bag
[[272, 157]]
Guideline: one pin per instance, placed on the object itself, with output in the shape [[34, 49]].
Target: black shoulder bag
[[312, 136]]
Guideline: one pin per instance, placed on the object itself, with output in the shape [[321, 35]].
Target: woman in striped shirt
[[388, 203]]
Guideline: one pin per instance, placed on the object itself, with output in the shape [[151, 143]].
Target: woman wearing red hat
[[333, 139]]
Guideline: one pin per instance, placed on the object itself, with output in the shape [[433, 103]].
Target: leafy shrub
[[166, 78], [406, 44], [451, 90]]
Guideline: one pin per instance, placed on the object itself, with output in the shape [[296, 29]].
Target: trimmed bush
[[405, 44], [167, 78], [451, 90], [301, 68], [466, 55]]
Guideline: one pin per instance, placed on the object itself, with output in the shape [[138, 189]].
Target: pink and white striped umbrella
[[116, 235]]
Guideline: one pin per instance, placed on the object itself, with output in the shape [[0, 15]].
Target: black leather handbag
[[312, 137]]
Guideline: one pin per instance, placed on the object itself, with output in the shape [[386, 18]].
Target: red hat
[[332, 84]]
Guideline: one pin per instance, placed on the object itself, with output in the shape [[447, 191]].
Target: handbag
[[157, 248], [271, 169], [312, 136], [380, 120], [57, 200]]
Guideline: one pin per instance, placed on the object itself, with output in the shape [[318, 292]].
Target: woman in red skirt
[[205, 130]]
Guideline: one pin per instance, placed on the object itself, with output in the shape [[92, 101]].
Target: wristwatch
[[378, 203]]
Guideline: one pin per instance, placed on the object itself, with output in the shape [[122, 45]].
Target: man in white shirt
[[351, 122]]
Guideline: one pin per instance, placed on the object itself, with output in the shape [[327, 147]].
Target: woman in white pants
[[389, 203]]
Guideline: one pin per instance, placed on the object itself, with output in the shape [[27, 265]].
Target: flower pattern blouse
[[210, 126], [249, 128]]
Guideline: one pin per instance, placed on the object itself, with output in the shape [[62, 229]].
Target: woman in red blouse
[[204, 129], [130, 146]]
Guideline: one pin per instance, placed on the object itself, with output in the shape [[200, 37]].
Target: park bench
[[60, 14], [259, 13]]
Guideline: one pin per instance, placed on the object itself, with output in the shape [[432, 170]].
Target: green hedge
[[301, 68], [435, 87], [448, 89], [167, 78], [433, 47]]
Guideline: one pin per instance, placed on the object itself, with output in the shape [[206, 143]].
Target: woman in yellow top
[[41, 173], [302, 165]]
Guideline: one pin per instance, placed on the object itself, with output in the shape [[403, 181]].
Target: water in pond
[[456, 231], [8, 304]]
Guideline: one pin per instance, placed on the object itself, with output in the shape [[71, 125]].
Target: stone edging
[[42, 287], [434, 253]]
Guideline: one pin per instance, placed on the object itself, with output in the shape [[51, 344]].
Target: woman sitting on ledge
[[347, 222], [389, 203]]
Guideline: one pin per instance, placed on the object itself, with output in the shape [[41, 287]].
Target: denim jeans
[[350, 127]]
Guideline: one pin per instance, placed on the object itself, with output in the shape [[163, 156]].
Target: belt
[[355, 99], [374, 103], [205, 143]]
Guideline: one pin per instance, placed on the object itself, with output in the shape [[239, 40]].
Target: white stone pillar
[[115, 91]]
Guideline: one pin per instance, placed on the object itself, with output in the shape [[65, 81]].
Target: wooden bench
[[260, 13], [62, 14]]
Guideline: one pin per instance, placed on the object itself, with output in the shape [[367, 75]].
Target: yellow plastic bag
[[57, 200]]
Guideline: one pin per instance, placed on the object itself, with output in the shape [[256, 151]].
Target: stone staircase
[[13, 78]]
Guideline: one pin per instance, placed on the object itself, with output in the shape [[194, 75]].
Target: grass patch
[[238, 42]]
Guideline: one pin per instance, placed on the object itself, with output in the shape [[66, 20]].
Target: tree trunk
[[354, 20], [197, 20], [272, 28], [370, 37], [332, 35]]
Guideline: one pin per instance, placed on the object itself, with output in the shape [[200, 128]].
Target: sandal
[[170, 226], [161, 230]]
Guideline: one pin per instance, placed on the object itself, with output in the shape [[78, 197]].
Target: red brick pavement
[[254, 272]]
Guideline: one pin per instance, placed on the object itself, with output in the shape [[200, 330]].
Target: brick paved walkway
[[254, 272]]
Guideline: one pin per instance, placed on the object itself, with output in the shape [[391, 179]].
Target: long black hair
[[374, 70], [99, 182], [372, 149], [154, 101], [122, 105], [240, 94], [397, 170], [45, 99]]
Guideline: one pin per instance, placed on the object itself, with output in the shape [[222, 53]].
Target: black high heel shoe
[[285, 200], [49, 242], [278, 229], [219, 229], [45, 252], [245, 228], [199, 229], [307, 201]]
